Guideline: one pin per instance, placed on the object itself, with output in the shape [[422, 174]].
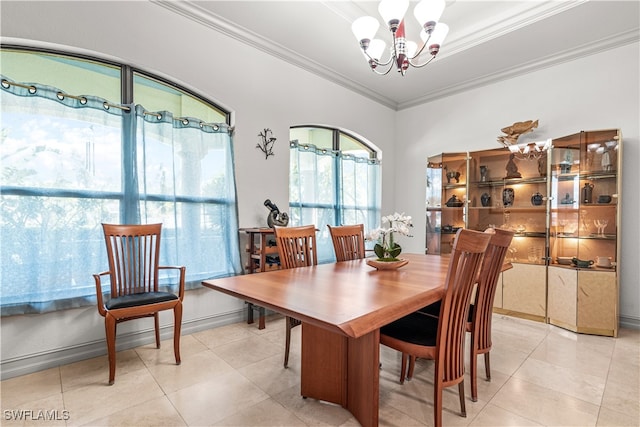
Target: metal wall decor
[[267, 143]]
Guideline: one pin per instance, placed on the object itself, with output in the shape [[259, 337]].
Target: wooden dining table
[[342, 307]]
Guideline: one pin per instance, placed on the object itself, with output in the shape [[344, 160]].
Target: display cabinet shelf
[[510, 181]]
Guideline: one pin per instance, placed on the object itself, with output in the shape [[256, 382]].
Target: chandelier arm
[[385, 73], [378, 62], [419, 51], [422, 65]]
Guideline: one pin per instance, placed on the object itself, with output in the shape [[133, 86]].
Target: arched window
[[86, 142], [334, 179]]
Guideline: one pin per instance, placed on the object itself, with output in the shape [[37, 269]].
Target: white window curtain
[[70, 163], [334, 188]]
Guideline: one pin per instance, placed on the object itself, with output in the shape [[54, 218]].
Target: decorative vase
[[508, 196], [536, 199], [587, 193], [387, 265], [483, 173], [485, 199]]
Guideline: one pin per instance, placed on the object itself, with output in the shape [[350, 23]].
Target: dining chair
[[442, 339], [481, 308], [297, 248], [348, 241], [133, 252]]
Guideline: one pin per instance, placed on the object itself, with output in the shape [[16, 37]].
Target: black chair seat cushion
[[143, 298], [414, 328], [434, 310]]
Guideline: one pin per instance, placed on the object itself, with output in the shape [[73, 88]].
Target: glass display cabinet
[[446, 200], [564, 206], [584, 218]]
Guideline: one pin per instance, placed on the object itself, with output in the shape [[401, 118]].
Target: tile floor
[[233, 376]]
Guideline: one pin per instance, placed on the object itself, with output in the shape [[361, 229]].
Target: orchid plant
[[386, 248]]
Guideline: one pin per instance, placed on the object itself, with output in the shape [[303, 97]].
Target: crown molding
[[526, 14], [585, 50], [244, 35]]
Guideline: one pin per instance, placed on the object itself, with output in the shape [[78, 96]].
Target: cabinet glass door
[[584, 206], [434, 204]]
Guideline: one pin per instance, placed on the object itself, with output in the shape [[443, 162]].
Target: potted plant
[[386, 248]]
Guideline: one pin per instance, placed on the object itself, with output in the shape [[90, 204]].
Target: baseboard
[[630, 322], [37, 362]]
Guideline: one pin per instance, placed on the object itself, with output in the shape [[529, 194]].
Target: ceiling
[[488, 40]]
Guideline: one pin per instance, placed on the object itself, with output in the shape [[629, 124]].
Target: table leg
[[342, 370], [363, 381]]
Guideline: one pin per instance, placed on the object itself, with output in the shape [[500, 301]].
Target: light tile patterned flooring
[[233, 376]]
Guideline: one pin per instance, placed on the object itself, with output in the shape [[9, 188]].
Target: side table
[[263, 256]]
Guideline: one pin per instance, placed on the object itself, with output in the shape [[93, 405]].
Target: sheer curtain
[[335, 188], [187, 183], [70, 163]]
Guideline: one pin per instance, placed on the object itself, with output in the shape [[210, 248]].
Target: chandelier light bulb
[[411, 47], [365, 28], [428, 13], [392, 12], [376, 48]]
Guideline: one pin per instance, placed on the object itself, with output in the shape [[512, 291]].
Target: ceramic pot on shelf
[[485, 199], [536, 199], [604, 198], [454, 202]]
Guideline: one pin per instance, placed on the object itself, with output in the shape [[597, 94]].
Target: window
[[72, 159], [335, 180]]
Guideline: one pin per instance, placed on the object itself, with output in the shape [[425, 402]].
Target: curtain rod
[[61, 95], [83, 100]]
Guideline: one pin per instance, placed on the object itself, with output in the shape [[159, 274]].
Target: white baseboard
[[37, 362], [629, 322]]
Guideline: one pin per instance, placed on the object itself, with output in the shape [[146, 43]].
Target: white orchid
[[386, 249]]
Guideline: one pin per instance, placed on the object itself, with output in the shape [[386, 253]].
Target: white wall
[[597, 92], [593, 93], [262, 91]]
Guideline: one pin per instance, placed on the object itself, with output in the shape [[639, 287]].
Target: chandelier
[[404, 53], [530, 150]]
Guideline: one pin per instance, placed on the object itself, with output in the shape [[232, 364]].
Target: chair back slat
[[487, 284], [348, 241], [296, 246], [133, 252], [466, 258]]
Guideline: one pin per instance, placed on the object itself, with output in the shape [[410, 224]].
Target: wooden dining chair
[[427, 337], [133, 252], [348, 241], [297, 248], [481, 308]]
